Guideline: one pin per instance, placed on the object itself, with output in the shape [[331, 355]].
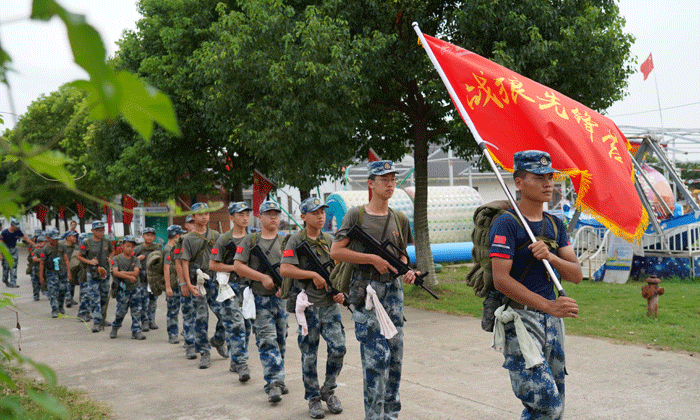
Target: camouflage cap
[[148, 230], [14, 222], [174, 230], [189, 219], [535, 161], [381, 167], [200, 207], [70, 233], [238, 207], [269, 206], [54, 235], [41, 238], [98, 224], [129, 238], [311, 204]]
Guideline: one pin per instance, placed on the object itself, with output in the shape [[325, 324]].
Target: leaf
[[7, 379], [49, 403], [8, 202], [48, 373], [51, 163], [7, 256]]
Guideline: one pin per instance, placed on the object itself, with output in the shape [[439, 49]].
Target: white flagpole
[[482, 146]]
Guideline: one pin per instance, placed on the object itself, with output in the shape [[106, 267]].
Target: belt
[[373, 275], [517, 305]]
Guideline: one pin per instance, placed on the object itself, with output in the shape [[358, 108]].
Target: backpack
[[154, 272], [342, 272], [480, 277]]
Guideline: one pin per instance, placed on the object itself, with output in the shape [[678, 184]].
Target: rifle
[[266, 266], [324, 270], [230, 249], [375, 247]]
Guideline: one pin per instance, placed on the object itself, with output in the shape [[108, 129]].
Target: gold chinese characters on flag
[[513, 113]]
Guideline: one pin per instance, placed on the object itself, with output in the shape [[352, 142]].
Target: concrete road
[[449, 372]]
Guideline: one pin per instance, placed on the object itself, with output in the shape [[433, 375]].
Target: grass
[[79, 405], [613, 311]]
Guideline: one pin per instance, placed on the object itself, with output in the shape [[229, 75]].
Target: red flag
[[81, 210], [108, 212], [41, 212], [647, 66], [128, 203], [261, 187], [513, 113], [372, 157], [61, 212]]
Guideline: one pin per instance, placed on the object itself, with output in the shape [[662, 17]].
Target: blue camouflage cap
[[189, 219], [535, 161], [381, 167], [98, 224], [148, 230], [237, 207], [41, 238], [311, 204], [174, 230], [70, 233], [129, 238], [269, 206], [54, 235], [200, 207], [14, 222]]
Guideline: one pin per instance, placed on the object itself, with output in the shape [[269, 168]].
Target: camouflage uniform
[[238, 341], [148, 300], [36, 284], [186, 303], [127, 293], [172, 302], [56, 275], [9, 274], [95, 294], [270, 324], [322, 318], [381, 358], [70, 289]]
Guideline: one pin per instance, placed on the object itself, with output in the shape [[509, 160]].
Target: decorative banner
[[647, 66], [261, 188], [513, 113], [81, 210], [128, 203], [41, 212], [108, 211], [61, 213]]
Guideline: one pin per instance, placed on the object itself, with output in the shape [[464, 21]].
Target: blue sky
[[670, 29]]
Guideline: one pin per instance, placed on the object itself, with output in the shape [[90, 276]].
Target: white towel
[[530, 352], [201, 276], [302, 304], [386, 327], [248, 307], [225, 291]]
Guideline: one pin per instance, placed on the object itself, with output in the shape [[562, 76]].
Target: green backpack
[[154, 272]]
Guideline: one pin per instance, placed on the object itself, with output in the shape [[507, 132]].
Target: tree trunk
[[424, 256], [304, 194], [237, 192]]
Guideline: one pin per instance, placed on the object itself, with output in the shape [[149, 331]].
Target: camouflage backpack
[[154, 272]]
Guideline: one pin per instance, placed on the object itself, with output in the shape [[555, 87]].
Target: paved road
[[449, 372]]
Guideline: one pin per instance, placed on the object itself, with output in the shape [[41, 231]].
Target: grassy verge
[[79, 405], [615, 311]]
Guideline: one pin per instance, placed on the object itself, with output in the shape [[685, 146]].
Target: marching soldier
[[172, 287], [95, 254], [54, 262], [148, 300], [10, 236], [125, 269]]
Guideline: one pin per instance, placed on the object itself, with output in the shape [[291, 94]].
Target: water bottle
[[55, 263]]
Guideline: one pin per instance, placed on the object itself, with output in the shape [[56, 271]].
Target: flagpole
[[482, 146]]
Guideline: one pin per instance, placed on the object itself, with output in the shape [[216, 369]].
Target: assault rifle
[[266, 266], [230, 249], [324, 270], [375, 247]]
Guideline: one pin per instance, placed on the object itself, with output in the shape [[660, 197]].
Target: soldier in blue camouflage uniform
[[381, 357], [531, 299], [95, 253], [270, 325], [221, 260], [70, 240], [10, 236], [186, 298], [172, 287], [34, 253], [323, 316], [148, 300], [54, 262], [125, 269]]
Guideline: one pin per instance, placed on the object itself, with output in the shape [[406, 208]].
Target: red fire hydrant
[[651, 293]]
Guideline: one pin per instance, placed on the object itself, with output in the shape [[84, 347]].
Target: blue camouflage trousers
[[36, 283], [381, 358], [57, 285], [540, 389], [95, 295], [229, 313], [142, 296], [238, 290], [270, 328], [188, 318], [171, 316], [128, 300], [83, 303], [323, 322], [9, 274]]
